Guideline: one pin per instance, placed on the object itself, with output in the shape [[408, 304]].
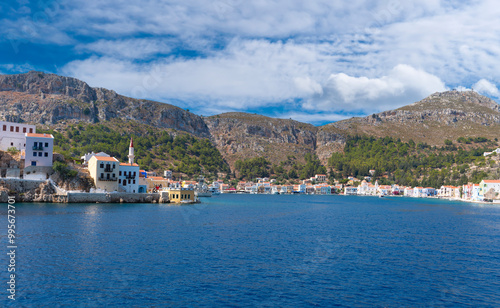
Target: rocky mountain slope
[[446, 115], [50, 99], [41, 98]]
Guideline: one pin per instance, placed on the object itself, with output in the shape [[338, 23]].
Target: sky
[[315, 61]]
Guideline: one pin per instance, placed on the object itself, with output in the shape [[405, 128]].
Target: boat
[[201, 189], [380, 196]]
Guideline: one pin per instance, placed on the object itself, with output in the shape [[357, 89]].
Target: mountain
[[41, 98], [58, 102], [446, 115]]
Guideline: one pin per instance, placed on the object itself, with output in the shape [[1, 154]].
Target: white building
[[88, 156], [489, 189], [128, 177], [128, 174], [39, 150], [167, 174], [14, 135], [104, 171], [350, 190]]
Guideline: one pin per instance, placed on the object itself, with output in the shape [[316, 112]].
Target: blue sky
[[315, 61]]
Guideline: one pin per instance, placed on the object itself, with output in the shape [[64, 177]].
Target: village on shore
[[109, 175]]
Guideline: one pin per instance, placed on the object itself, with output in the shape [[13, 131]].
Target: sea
[[255, 251]]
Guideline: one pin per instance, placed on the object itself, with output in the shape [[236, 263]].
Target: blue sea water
[[257, 250]]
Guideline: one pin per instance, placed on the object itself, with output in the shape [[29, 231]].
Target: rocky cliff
[[242, 135], [42, 98]]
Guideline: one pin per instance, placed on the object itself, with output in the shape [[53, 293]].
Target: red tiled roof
[[130, 165], [105, 158], [39, 135]]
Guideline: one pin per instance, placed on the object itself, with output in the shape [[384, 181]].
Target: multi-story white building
[[14, 135], [128, 175], [104, 171], [39, 150]]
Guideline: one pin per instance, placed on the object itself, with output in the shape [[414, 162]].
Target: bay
[[258, 250]]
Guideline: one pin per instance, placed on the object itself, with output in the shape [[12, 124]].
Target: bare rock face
[[241, 135], [37, 97]]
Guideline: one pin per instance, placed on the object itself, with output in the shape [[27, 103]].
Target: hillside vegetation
[[154, 150], [410, 163]]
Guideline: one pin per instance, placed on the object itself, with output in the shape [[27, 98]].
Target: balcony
[[108, 169], [106, 179], [130, 177], [38, 148]]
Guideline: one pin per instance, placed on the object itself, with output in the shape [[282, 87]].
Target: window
[[134, 173], [12, 128], [114, 166], [31, 130], [35, 153], [119, 173], [12, 144], [4, 127], [107, 176], [119, 181], [102, 165], [129, 181], [102, 175], [24, 129], [133, 182], [46, 144], [17, 129], [46, 154]]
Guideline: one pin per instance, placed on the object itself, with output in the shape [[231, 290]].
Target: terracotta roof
[[157, 178], [39, 135], [105, 158], [130, 165], [492, 181]]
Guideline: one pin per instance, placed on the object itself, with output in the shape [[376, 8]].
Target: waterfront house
[[104, 171], [39, 150], [13, 135], [408, 192], [448, 191], [429, 191], [224, 188], [489, 189], [384, 190], [143, 183], [418, 192], [128, 177], [350, 190], [180, 195]]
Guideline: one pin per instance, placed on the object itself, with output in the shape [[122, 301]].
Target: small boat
[[380, 196]]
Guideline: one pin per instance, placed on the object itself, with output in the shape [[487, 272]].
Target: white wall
[[43, 153], [13, 134]]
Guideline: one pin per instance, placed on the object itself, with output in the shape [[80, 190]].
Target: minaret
[[131, 152]]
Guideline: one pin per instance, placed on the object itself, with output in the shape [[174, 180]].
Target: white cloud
[[337, 56], [483, 86], [129, 48], [403, 85]]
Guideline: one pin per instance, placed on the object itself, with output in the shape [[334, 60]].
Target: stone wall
[[112, 198]]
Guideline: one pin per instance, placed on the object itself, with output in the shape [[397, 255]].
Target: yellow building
[[180, 195], [104, 171]]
